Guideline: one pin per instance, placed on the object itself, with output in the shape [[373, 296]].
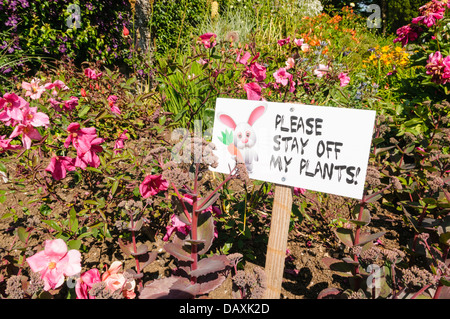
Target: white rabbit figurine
[[244, 135]]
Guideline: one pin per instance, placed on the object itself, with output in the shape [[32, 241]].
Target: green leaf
[[74, 244], [23, 234], [73, 221], [52, 224], [346, 236], [114, 187]]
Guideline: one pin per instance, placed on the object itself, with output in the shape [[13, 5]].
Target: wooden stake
[[278, 236]]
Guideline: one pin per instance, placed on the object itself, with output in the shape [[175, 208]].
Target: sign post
[[278, 236], [320, 148]]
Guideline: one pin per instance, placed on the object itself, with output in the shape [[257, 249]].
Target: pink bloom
[[430, 12], [208, 40], [298, 42], [407, 33], [305, 47], [282, 77], [115, 280], [34, 90], [321, 70], [28, 133], [438, 67], [91, 74], [55, 262], [344, 78], [152, 185], [90, 157], [59, 165], [57, 84], [244, 58], [87, 144], [85, 283], [30, 115], [71, 103], [253, 91], [176, 225], [290, 63], [202, 61], [180, 226], [112, 99], [298, 191], [28, 119], [5, 144], [55, 104], [119, 145], [80, 138], [284, 41], [12, 107], [258, 71]]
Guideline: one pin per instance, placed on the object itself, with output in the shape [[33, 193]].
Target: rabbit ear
[[227, 120], [256, 114]]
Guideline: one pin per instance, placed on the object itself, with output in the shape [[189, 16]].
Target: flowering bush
[[49, 28]]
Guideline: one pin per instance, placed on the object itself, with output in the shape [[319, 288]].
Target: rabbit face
[[244, 136]]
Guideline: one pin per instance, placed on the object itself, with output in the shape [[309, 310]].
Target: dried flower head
[[416, 277], [14, 287]]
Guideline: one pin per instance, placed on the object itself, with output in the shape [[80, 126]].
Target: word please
[[309, 126]]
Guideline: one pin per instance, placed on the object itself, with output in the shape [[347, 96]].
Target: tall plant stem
[[133, 238], [194, 248]]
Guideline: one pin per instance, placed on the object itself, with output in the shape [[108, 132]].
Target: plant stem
[[194, 248], [133, 237]]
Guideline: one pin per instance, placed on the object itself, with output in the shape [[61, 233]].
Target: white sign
[[324, 149]]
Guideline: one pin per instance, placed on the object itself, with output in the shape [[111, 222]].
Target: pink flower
[[71, 103], [12, 105], [57, 84], [407, 33], [284, 41], [87, 144], [28, 133], [321, 70], [29, 118], [282, 77], [55, 262], [112, 99], [438, 67], [290, 63], [298, 191], [253, 91], [116, 281], [208, 40], [430, 12], [176, 225], [30, 115], [258, 71], [5, 144], [152, 185], [80, 138], [90, 157], [59, 165], [244, 58], [298, 42], [119, 145], [91, 74], [85, 283], [33, 89], [344, 78]]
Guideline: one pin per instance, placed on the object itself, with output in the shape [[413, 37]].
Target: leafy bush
[[80, 30]]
